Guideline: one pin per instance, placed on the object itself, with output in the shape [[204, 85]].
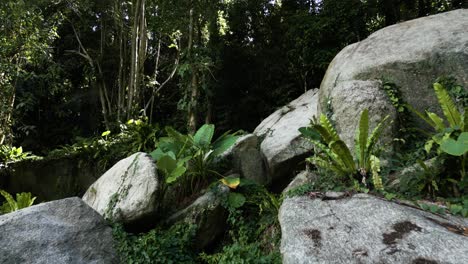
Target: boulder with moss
[[207, 213], [129, 192], [411, 55]]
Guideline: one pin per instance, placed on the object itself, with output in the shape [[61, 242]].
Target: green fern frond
[[13, 206], [448, 106], [342, 151], [422, 116], [325, 122], [362, 132], [438, 122], [375, 135], [375, 168]]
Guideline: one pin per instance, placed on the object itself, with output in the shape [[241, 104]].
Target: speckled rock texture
[[128, 192], [411, 54], [65, 231], [339, 228], [281, 142]]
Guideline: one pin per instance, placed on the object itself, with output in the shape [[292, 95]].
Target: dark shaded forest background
[[73, 69]]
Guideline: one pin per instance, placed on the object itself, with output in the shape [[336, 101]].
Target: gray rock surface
[[282, 144], [246, 159], [60, 232], [366, 229], [411, 54], [349, 98], [301, 178], [128, 192], [207, 213]]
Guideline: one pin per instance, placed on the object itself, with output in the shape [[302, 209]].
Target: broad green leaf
[[221, 146], [105, 133], [167, 164], [231, 182], [175, 174], [204, 135], [455, 147], [236, 200]]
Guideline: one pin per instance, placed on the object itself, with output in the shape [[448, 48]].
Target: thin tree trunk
[[192, 119]]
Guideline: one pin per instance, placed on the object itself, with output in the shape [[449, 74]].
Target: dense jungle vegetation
[[72, 69], [108, 78]]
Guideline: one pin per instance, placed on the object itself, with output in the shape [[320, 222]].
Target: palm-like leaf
[[361, 138], [342, 151], [204, 135], [375, 135], [448, 106], [325, 122]]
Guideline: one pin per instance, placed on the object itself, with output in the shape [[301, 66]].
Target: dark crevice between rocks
[[400, 230], [315, 235], [421, 260]]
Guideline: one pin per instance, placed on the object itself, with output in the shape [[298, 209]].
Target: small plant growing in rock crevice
[[333, 154]]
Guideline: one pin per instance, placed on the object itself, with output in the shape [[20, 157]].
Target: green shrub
[[8, 154], [451, 138], [254, 234], [333, 154], [189, 155], [172, 246]]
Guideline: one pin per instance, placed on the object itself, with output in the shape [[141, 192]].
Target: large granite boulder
[[62, 231], [245, 158], [207, 213], [364, 229], [282, 144], [410, 54], [127, 193]]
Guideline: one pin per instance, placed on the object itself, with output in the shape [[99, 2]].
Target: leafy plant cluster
[[23, 200], [134, 135], [333, 154], [190, 158], [449, 141], [447, 144], [173, 245], [254, 233], [8, 154]]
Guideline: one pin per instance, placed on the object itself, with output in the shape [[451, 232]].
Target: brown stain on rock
[[422, 260], [315, 235], [400, 230]]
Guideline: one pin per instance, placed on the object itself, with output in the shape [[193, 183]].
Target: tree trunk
[[192, 107]]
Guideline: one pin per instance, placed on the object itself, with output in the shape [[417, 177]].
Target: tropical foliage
[[23, 200], [450, 137], [177, 154], [332, 153]]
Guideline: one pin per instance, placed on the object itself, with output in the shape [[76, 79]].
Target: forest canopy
[[76, 68]]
